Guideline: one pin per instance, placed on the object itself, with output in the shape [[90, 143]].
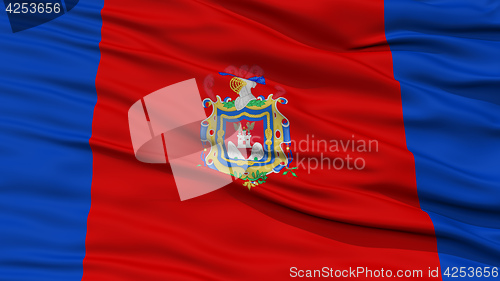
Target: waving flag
[[249, 140]]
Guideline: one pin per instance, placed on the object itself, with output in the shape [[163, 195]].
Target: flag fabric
[[389, 120]]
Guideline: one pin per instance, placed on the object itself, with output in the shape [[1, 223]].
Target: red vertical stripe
[[145, 109], [333, 60]]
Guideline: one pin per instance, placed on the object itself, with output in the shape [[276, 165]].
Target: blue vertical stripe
[[446, 57], [47, 98]]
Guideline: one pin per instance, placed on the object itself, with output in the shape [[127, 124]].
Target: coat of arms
[[247, 138]]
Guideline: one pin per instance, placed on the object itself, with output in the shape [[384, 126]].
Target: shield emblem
[[248, 142]]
